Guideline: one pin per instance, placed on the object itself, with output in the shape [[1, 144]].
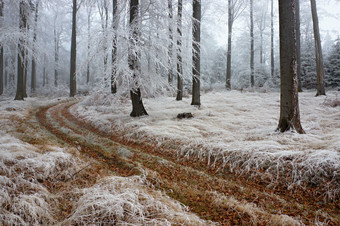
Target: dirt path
[[220, 197]]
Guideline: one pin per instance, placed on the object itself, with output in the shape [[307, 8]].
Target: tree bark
[[318, 52], [115, 23], [56, 57], [196, 56], [89, 10], [179, 52], [272, 64], [170, 73], [298, 45], [230, 28], [252, 72], [34, 70], [1, 52], [289, 104], [135, 93], [73, 75], [21, 53]]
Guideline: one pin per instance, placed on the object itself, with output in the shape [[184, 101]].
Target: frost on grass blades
[[236, 131], [128, 201], [46, 185]]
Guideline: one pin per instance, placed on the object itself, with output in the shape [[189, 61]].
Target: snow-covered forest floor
[[227, 163], [46, 182], [237, 130]]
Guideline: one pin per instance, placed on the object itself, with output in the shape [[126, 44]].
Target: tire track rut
[[226, 199]]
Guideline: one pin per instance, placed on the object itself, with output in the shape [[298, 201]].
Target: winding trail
[[221, 197]]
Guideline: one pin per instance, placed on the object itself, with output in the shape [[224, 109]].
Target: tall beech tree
[[235, 7], [289, 102], [73, 69], [1, 51], [179, 52], [23, 7], [34, 70], [135, 93], [114, 56], [170, 73], [252, 51], [272, 64], [318, 52], [196, 55]]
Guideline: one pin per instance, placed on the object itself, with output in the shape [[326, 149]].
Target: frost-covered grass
[[236, 130], [39, 183]]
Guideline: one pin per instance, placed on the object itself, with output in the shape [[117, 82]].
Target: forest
[[155, 112]]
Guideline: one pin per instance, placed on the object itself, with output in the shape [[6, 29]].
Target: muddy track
[[220, 197]]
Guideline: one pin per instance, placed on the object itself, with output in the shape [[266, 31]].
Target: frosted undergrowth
[[128, 201], [237, 130], [23, 197]]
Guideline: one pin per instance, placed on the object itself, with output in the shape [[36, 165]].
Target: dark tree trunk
[[272, 66], [230, 30], [21, 54], [252, 72], [170, 74], [26, 69], [73, 75], [289, 103], [318, 52], [196, 56], [179, 52], [136, 96], [115, 23], [298, 45], [1, 53], [56, 57], [34, 70]]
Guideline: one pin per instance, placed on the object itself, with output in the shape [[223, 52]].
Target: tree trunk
[[318, 52], [1, 53], [56, 57], [73, 75], [230, 27], [170, 74], [135, 94], [272, 66], [115, 23], [298, 45], [179, 52], [88, 44], [34, 71], [196, 56], [252, 72], [289, 104], [26, 61], [21, 54]]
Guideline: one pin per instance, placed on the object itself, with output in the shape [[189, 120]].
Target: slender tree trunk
[[106, 55], [73, 75], [179, 52], [26, 63], [170, 75], [289, 103], [230, 28], [272, 64], [21, 54], [1, 52], [135, 93], [298, 45], [6, 73], [34, 70], [56, 57], [44, 72], [115, 23], [196, 56], [318, 52], [252, 72], [88, 45]]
